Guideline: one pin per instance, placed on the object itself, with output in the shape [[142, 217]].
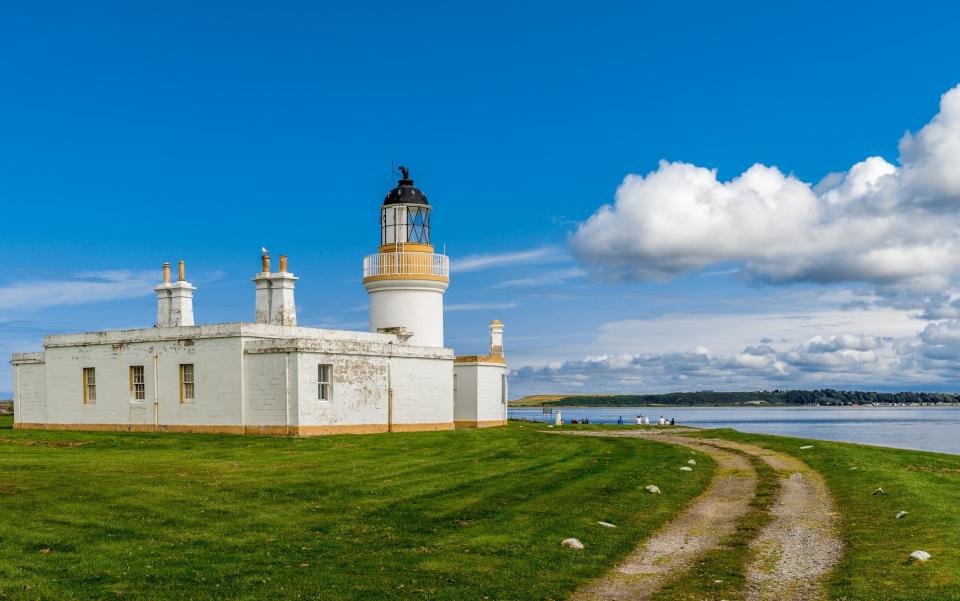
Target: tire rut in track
[[681, 541]]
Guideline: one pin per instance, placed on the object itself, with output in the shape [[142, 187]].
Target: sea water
[[920, 428]]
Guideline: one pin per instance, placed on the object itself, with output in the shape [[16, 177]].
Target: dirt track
[[788, 559]]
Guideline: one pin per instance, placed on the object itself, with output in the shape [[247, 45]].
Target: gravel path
[[800, 545], [789, 558], [699, 528]]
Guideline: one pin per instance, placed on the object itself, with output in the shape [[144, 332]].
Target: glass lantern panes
[[418, 224], [405, 223]]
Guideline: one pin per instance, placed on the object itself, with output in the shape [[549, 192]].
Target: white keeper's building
[[271, 376]]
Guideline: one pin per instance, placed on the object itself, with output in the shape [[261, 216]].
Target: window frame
[[321, 382], [138, 390], [89, 385], [192, 383]]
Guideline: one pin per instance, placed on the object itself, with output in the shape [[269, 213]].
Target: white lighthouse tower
[[406, 279]]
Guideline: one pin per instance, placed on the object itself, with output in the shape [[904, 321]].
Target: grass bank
[[874, 566], [445, 515]]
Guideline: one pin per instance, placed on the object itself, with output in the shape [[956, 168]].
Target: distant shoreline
[[826, 397]]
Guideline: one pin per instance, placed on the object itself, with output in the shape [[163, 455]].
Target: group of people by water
[[641, 420], [644, 420]]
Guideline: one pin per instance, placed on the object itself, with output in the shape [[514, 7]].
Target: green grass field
[[445, 515], [874, 565]]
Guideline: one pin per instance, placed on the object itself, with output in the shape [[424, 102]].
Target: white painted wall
[[270, 389], [359, 394], [414, 304], [480, 393], [422, 390], [29, 391], [490, 405], [216, 364], [245, 375], [465, 401]]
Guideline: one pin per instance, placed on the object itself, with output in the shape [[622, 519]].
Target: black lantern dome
[[405, 193]]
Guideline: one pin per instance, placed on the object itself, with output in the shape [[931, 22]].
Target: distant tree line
[[826, 396]]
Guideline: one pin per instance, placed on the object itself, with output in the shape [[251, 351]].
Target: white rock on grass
[[901, 515], [805, 447], [652, 489], [572, 543], [692, 461], [879, 491], [686, 469], [606, 524], [920, 555]]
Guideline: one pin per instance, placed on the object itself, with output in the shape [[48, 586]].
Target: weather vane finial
[[405, 172]]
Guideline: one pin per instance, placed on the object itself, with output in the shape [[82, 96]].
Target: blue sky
[[132, 135]]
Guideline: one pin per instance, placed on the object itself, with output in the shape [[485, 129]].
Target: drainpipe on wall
[[156, 394], [286, 386], [389, 394], [243, 397]]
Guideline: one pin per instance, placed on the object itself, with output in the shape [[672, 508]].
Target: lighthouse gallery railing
[[406, 263]]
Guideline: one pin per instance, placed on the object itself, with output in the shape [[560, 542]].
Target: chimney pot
[[182, 275], [283, 263], [265, 263], [496, 338], [166, 273]]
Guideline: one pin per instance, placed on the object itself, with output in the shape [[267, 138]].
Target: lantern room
[[405, 214]]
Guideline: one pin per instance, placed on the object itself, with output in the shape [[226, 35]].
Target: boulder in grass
[[901, 515], [572, 543], [879, 491], [692, 461], [686, 469], [920, 555], [650, 488], [606, 524], [805, 447]]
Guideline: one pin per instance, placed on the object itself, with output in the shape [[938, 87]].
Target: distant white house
[[271, 376]]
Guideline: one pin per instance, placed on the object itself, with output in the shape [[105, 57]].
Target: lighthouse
[[406, 279]]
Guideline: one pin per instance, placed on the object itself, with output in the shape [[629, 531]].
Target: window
[[186, 382], [324, 382], [89, 385], [138, 386]]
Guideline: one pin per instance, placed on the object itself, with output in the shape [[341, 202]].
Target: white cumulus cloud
[[891, 225]]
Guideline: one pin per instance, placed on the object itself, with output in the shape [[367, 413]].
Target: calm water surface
[[921, 428]]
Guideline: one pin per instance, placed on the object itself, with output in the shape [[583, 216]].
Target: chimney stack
[[496, 338], [174, 301], [274, 295]]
